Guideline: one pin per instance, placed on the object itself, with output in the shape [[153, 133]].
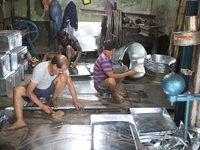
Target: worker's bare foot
[[17, 125], [55, 103], [117, 97]]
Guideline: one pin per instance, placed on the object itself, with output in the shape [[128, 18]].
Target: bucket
[[191, 23]]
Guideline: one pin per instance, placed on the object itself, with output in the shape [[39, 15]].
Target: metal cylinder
[[191, 23]]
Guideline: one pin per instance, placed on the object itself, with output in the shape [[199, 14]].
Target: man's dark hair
[[61, 33], [57, 60], [109, 44]]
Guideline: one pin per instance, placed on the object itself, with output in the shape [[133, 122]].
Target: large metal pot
[[157, 66]]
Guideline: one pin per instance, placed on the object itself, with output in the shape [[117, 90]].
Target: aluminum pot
[[157, 66]]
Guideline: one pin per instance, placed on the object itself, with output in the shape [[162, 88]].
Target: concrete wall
[[163, 9]]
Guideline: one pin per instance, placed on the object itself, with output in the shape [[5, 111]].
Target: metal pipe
[[69, 108], [186, 119]]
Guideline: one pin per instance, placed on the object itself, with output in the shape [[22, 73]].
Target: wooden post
[[171, 43], [194, 84], [181, 24]]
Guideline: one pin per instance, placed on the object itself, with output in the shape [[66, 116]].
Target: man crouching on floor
[[48, 78]]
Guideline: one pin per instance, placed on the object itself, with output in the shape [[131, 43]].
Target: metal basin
[[157, 66]]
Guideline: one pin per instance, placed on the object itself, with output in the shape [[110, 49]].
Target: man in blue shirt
[[68, 46]]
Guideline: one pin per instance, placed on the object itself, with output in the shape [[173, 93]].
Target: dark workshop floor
[[155, 97]]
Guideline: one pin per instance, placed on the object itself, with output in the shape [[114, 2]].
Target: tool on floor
[[57, 114]]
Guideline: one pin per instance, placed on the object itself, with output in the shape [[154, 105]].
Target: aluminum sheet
[[113, 135], [91, 97], [152, 121], [80, 70], [88, 43], [105, 122], [111, 117], [88, 35], [57, 137]]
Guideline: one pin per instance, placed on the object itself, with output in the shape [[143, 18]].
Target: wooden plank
[[194, 84], [180, 26], [171, 43], [103, 13]]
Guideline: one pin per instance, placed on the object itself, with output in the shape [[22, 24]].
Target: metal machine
[[30, 30], [173, 85]]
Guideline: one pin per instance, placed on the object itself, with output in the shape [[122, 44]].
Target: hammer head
[[57, 114]]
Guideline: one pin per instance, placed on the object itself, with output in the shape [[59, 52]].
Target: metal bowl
[[157, 66]]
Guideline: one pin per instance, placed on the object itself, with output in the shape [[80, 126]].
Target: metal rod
[[70, 108], [187, 111]]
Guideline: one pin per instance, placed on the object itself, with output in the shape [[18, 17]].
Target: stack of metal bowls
[[157, 66]]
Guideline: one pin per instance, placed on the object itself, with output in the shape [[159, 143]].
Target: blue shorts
[[101, 88], [41, 93]]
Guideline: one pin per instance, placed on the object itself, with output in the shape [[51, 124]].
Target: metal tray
[[114, 123], [152, 121], [114, 135]]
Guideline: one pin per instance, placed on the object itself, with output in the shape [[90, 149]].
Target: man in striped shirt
[[107, 79]]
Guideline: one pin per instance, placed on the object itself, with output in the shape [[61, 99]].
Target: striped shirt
[[102, 65]]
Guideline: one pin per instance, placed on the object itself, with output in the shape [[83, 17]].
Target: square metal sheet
[[106, 127], [81, 70]]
